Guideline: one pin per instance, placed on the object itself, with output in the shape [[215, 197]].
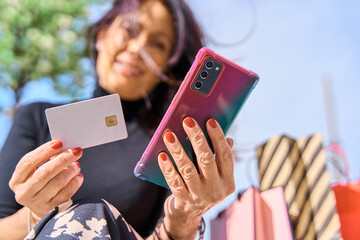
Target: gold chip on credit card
[[111, 121]]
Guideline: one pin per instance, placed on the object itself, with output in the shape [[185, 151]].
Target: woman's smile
[[127, 68]]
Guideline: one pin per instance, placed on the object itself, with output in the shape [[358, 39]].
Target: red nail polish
[[77, 164], [163, 156], [56, 145], [80, 174], [212, 123], [76, 151], [170, 137], [189, 122]]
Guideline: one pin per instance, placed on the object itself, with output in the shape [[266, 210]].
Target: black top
[[108, 169]]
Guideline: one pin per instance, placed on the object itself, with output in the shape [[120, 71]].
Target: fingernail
[[76, 151], [231, 142], [189, 122], [163, 156], [212, 123], [56, 145], [80, 174], [170, 137], [77, 164]]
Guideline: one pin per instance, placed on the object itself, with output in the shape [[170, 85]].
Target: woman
[[141, 49]]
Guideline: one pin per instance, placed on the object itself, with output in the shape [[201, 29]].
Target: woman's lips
[[127, 69]]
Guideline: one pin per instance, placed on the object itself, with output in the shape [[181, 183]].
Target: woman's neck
[[130, 108]]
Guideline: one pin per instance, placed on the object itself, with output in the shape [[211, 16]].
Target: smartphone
[[215, 88]]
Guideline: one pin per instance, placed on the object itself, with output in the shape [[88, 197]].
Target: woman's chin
[[130, 97], [127, 90]]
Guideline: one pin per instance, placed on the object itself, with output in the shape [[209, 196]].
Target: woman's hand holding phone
[[41, 185], [194, 193], [213, 88]]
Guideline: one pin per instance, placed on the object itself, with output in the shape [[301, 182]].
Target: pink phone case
[[222, 102]]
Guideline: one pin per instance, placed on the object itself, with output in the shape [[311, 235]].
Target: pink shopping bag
[[255, 216]]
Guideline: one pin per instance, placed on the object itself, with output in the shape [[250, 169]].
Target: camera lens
[[198, 85], [204, 74], [209, 64]]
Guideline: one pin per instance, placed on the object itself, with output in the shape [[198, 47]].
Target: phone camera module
[[198, 85], [204, 74], [209, 64]]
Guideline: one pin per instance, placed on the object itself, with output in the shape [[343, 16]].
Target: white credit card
[[87, 123]]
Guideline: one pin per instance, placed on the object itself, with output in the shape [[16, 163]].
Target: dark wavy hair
[[189, 39]]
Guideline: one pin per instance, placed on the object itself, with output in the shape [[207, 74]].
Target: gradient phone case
[[222, 102]]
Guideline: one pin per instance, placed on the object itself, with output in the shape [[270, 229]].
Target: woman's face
[[120, 66]]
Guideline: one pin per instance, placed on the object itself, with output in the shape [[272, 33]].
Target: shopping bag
[[254, 216], [348, 208], [299, 166]]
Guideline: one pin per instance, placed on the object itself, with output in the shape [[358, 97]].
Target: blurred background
[[306, 53]]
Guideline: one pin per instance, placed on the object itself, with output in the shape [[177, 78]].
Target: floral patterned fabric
[[83, 219]]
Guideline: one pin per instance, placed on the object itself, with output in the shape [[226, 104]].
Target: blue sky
[[294, 46]]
